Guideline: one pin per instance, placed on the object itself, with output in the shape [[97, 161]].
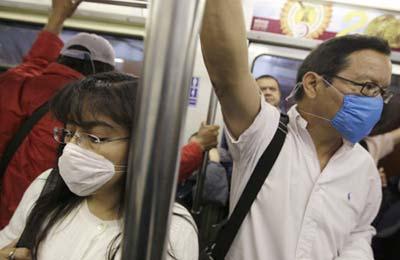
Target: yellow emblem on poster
[[305, 20], [387, 27]]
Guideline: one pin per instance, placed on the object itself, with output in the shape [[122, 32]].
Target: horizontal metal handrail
[[133, 3]]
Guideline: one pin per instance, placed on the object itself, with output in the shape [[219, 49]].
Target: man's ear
[[310, 82]]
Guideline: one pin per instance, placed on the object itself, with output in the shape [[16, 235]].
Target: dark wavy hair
[[109, 94]]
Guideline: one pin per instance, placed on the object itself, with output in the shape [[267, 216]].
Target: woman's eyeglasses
[[64, 136]]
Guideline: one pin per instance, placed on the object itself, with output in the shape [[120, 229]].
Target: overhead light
[[119, 60]]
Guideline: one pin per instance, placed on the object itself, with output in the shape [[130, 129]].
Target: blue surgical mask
[[357, 116]]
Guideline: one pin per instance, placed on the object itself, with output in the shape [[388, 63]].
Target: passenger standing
[[192, 153], [216, 184], [271, 89], [384, 244], [24, 89], [324, 190]]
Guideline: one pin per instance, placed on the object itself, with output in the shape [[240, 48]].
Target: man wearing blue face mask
[[358, 113], [323, 190]]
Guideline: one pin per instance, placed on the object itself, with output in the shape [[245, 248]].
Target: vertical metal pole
[[201, 176], [160, 113], [212, 111], [195, 38]]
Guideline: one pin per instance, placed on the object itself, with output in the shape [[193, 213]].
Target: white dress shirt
[[81, 235], [302, 213]]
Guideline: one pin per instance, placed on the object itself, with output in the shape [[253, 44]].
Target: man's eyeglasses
[[369, 89], [64, 136]]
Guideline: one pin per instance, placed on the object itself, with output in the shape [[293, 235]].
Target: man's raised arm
[[224, 46]]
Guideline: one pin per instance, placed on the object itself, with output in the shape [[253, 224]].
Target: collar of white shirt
[[300, 122]]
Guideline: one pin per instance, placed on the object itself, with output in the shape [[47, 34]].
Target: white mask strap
[[120, 168], [294, 91], [314, 115]]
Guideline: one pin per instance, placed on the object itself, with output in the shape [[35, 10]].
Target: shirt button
[[101, 227]]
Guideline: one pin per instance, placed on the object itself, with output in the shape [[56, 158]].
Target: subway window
[[17, 38]]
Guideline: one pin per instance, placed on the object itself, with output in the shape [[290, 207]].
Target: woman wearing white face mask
[[75, 211]]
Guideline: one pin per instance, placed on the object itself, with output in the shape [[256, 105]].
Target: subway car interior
[[129, 129]]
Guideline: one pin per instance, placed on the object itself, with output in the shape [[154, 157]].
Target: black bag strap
[[19, 137], [228, 232]]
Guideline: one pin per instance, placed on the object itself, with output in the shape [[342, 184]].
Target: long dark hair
[[110, 94]]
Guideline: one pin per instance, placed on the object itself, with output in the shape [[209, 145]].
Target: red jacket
[[191, 159], [22, 90]]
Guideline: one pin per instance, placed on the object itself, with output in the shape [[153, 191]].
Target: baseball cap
[[99, 48]]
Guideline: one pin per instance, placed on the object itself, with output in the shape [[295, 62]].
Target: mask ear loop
[[294, 92], [314, 115], [120, 168]]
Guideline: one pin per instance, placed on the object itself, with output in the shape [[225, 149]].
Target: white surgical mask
[[84, 171]]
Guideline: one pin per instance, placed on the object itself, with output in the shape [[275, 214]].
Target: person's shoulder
[[363, 157], [180, 210], [37, 185], [183, 236], [43, 176], [14, 77], [362, 153], [182, 216]]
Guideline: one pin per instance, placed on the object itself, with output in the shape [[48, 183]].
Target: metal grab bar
[[132, 3], [160, 114], [201, 176]]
